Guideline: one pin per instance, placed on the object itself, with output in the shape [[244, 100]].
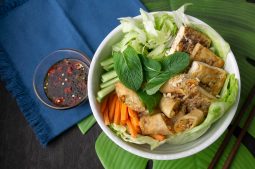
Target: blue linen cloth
[[34, 29]]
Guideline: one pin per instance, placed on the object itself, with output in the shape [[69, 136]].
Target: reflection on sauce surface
[[65, 83]]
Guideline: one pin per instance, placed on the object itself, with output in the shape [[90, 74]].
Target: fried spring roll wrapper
[[168, 106], [154, 124], [189, 121], [129, 97], [179, 84]]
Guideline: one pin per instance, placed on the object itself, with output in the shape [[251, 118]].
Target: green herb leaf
[[154, 84], [176, 62], [150, 101], [129, 68], [172, 65], [151, 67]]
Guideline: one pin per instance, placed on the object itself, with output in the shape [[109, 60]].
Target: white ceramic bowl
[[166, 151]]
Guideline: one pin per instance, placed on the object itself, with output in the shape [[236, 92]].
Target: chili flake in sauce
[[65, 83]]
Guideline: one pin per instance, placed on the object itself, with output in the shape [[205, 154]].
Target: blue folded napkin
[[34, 29]]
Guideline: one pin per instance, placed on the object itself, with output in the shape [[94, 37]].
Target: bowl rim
[[151, 155], [88, 61]]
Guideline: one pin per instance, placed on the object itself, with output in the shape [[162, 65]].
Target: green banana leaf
[[202, 159], [114, 157]]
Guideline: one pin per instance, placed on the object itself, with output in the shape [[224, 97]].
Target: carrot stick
[[117, 112], [112, 104], [103, 105], [124, 114], [106, 116], [134, 117], [131, 129], [134, 123], [158, 137]]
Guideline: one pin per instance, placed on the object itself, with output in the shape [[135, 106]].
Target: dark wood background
[[19, 148]]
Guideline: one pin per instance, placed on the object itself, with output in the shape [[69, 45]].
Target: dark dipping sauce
[[65, 83]]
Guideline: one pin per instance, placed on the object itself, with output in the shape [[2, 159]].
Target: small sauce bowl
[[58, 79]]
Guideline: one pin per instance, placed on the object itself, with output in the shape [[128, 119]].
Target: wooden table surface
[[20, 149]]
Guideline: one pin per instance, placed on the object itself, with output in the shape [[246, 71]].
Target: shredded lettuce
[[151, 36], [121, 131], [216, 110], [179, 16]]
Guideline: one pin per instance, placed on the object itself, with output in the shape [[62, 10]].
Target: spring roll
[[189, 121], [129, 97], [154, 124], [169, 106], [179, 84]]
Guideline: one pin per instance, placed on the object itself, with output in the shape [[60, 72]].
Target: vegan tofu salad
[[165, 81]]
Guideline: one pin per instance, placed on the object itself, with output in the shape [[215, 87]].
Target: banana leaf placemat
[[235, 21]]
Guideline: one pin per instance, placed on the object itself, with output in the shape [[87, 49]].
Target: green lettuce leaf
[[179, 16], [121, 131], [216, 110]]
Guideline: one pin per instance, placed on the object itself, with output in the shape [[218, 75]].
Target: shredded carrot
[[104, 104], [106, 116], [117, 112], [112, 105], [134, 117], [124, 114], [158, 137], [131, 129]]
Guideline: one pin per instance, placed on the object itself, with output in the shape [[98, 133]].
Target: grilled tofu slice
[[187, 38], [129, 97], [154, 124], [211, 78], [203, 54]]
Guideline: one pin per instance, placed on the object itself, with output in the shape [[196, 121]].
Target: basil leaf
[[128, 68], [150, 101], [172, 65], [176, 62], [151, 67]]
